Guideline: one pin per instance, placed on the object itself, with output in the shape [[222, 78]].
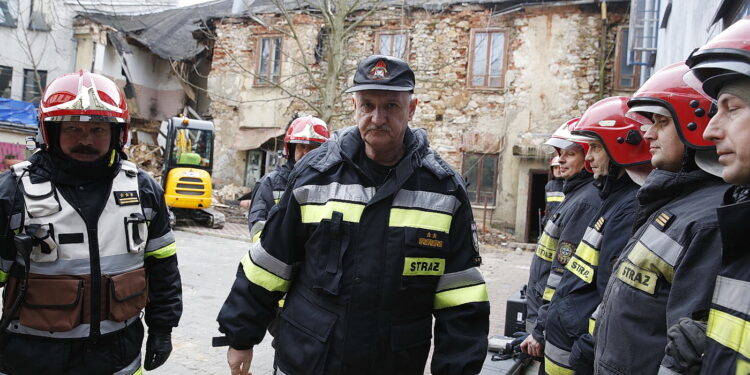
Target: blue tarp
[[18, 112]]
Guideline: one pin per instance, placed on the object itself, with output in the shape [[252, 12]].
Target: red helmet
[[554, 162], [621, 135], [83, 96], [563, 139], [305, 130], [666, 93], [725, 57]]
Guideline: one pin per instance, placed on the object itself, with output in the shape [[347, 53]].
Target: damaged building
[[494, 80]]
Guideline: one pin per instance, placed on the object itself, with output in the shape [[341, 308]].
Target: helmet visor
[[561, 143]]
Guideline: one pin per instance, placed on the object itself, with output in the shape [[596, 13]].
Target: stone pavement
[[231, 231]]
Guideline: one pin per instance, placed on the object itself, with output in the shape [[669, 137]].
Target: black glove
[[685, 342], [158, 347]]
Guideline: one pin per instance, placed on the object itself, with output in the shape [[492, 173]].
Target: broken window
[[39, 15], [6, 76], [34, 82], [627, 75], [487, 61], [395, 45], [480, 173], [269, 61], [8, 13]]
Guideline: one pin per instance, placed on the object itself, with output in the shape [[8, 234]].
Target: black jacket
[[267, 193], [585, 278], [666, 271], [365, 268]]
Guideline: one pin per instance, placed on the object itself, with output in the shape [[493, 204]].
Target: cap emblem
[[378, 71]]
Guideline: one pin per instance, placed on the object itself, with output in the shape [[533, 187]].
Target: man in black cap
[[373, 237]]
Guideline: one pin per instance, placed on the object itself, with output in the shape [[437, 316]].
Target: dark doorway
[[536, 203]]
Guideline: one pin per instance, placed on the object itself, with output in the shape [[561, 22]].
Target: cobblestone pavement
[[208, 261]]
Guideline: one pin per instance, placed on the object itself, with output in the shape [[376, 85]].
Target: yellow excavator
[[186, 177]]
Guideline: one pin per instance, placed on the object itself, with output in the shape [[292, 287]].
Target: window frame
[[9, 69], [480, 167], [394, 33], [13, 23], [621, 47], [470, 70], [25, 85], [259, 79]]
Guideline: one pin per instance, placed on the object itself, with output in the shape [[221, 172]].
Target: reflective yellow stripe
[[166, 251], [256, 237], [743, 367], [139, 372], [552, 368], [424, 266], [401, 217], [460, 296], [316, 213], [263, 278], [546, 247], [276, 201], [592, 326], [281, 303], [587, 253], [637, 277], [645, 259], [580, 269], [3, 277], [730, 331], [548, 294], [554, 199]]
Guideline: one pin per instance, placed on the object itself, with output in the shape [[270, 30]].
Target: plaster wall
[[687, 29]]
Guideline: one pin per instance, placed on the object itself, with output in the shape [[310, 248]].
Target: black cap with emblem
[[379, 72]]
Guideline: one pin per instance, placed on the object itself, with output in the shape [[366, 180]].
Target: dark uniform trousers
[[366, 268], [585, 279], [666, 272], [727, 348]]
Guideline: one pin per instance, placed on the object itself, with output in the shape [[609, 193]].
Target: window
[[8, 13], [487, 61], [393, 45], [39, 16], [33, 84], [643, 30], [269, 62], [480, 172], [627, 77], [6, 75], [253, 167]]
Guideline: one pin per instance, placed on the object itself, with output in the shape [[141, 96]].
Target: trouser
[[118, 353]]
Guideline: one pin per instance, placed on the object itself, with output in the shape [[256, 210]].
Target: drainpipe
[[603, 50]]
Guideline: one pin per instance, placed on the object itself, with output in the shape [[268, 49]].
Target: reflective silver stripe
[[277, 194], [733, 294], [595, 314], [662, 245], [277, 371], [132, 367], [105, 326], [263, 259], [556, 354], [160, 242], [453, 280], [149, 213], [333, 191], [555, 194], [426, 200], [110, 265], [592, 237], [15, 221], [665, 371], [5, 265], [554, 280], [552, 229]]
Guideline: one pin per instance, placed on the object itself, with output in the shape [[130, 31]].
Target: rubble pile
[[228, 194], [494, 237], [147, 157]]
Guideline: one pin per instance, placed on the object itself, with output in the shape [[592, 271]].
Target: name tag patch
[[424, 266], [581, 269], [428, 238], [637, 277], [126, 198]]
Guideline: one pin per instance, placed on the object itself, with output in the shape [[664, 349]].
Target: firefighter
[[373, 237], [553, 189], [304, 134], [562, 233], [666, 271], [617, 151], [722, 68], [93, 246]]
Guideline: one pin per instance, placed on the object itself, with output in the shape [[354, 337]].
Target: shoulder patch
[[599, 224], [663, 220], [565, 252], [126, 198]]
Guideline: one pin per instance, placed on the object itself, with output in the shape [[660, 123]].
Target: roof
[[169, 33], [17, 113]]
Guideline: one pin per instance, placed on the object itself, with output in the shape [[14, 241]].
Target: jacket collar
[[661, 184], [577, 181]]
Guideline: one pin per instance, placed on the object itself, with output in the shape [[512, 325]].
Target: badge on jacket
[[564, 252], [126, 198]]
